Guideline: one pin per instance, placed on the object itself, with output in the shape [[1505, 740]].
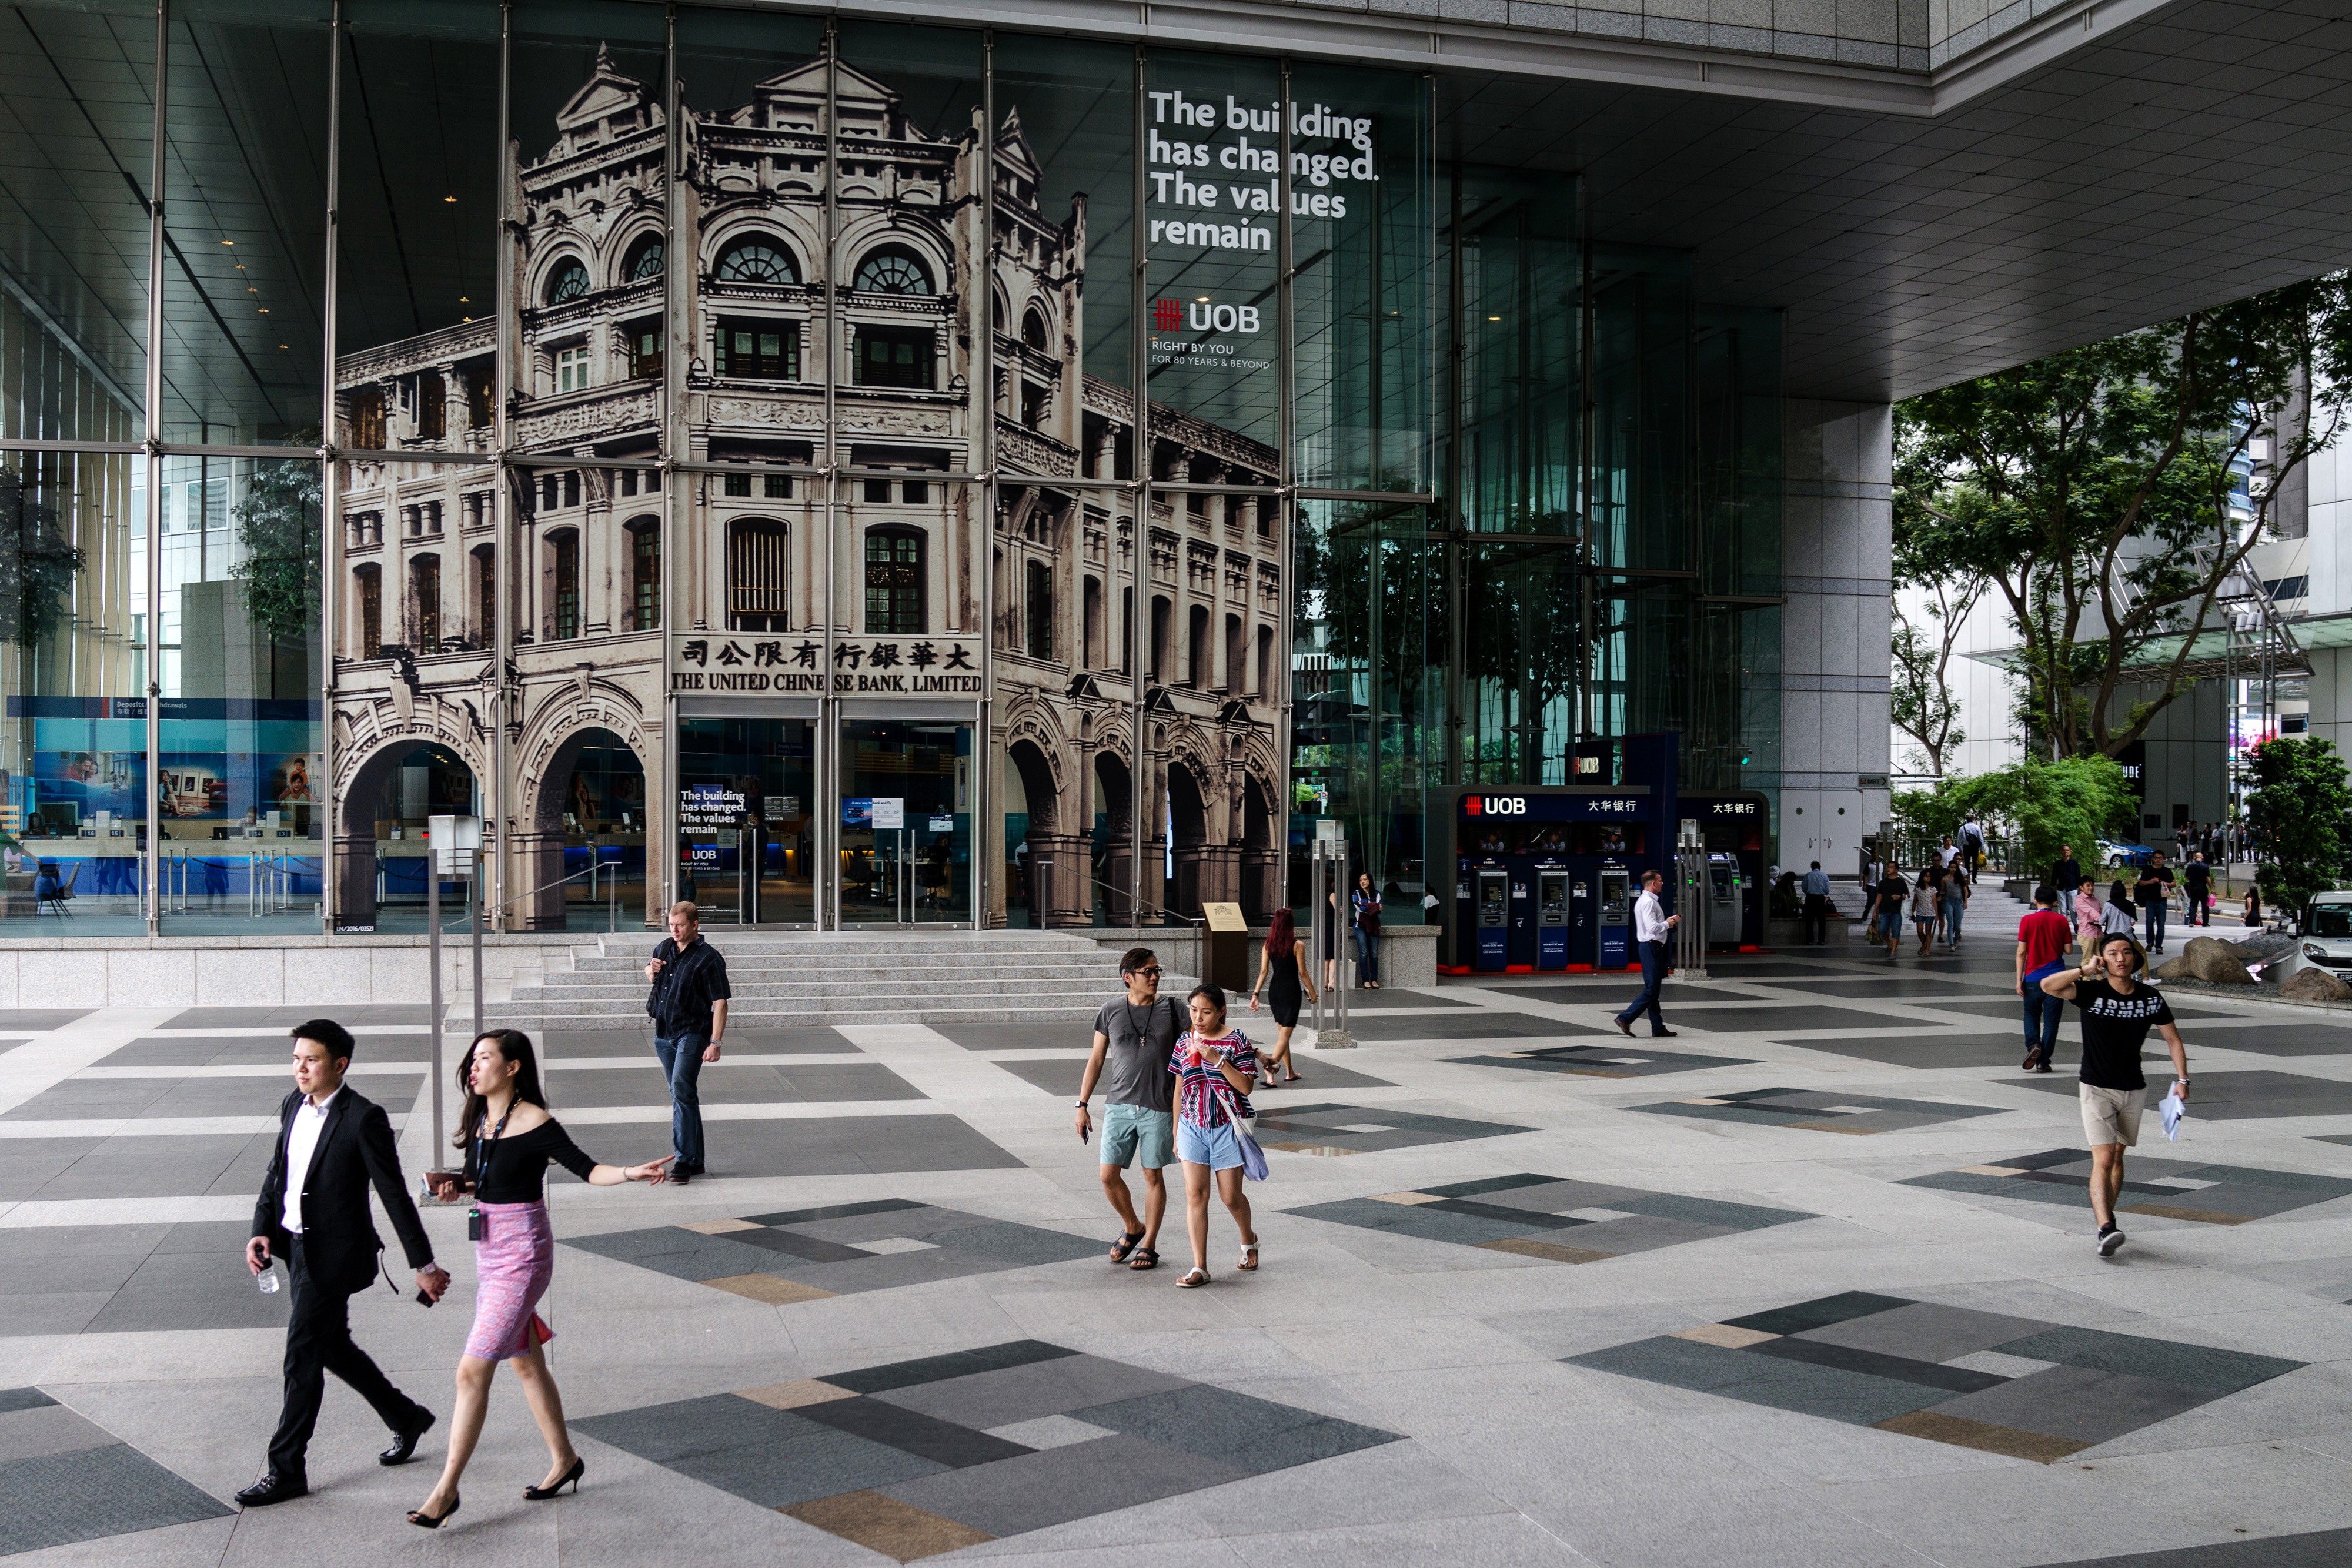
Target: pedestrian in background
[[1366, 903], [2197, 884], [1957, 878], [2044, 938], [1885, 911], [2090, 915], [2154, 894], [1282, 976], [2067, 876], [1651, 924], [1816, 929], [688, 1006], [1926, 900]]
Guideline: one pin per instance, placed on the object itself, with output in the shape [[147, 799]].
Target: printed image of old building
[[602, 539]]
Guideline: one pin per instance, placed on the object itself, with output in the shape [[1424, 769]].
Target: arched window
[[568, 282], [893, 269], [1033, 328], [645, 261], [757, 576], [893, 582], [758, 259]]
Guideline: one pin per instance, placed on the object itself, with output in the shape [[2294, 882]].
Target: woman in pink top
[[2090, 916]]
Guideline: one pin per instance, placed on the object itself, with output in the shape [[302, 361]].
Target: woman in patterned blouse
[[1214, 1070]]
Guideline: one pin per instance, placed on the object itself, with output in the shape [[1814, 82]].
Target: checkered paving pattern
[[808, 1254], [2170, 1189], [1356, 1130], [1602, 1061], [1819, 1110], [64, 1478], [1551, 1217], [2004, 1384], [923, 1457]]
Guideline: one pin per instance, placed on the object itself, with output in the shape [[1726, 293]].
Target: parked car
[[2125, 854], [2326, 943]]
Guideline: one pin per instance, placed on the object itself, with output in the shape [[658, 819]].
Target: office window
[[752, 349], [485, 594], [758, 576], [915, 492], [432, 406], [1038, 600], [736, 483], [1126, 629], [1090, 634], [1036, 401], [371, 582], [893, 269], [1265, 688], [572, 369], [572, 487], [480, 409], [777, 486], [1196, 652], [367, 419], [1236, 657], [1161, 612], [894, 581], [425, 593], [758, 259], [894, 356], [878, 490], [645, 577], [563, 601], [645, 341]]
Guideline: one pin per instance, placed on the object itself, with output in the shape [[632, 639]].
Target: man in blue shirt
[[1816, 929]]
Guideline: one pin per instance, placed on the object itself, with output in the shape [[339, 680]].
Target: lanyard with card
[[482, 1170]]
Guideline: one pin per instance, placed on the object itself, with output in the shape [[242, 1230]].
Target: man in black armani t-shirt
[[2118, 1012]]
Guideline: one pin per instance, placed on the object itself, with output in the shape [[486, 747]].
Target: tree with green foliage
[[278, 554], [2301, 806], [2100, 492], [38, 563], [2036, 805]]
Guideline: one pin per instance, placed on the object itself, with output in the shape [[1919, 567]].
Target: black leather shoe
[[1663, 1033], [1624, 1028], [404, 1440], [678, 1178], [273, 1488]]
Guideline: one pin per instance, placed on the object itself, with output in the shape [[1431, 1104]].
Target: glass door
[[906, 822], [745, 788]]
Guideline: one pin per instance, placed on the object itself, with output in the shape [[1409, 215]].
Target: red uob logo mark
[[1167, 316]]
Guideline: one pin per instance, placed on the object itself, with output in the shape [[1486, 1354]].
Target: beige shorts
[[2111, 1115]]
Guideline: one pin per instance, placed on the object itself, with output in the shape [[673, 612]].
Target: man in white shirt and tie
[[1651, 924]]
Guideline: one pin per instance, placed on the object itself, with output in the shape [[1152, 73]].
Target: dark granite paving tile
[[49, 1429], [1384, 999], [836, 1211], [2077, 1402], [1220, 1425], [1003, 1396], [2318, 1549], [189, 1292], [1316, 1073], [1016, 1246], [286, 1015], [1934, 1049], [30, 1164], [1054, 1075], [1891, 988], [52, 1500], [687, 1428], [927, 1436], [1479, 1023], [752, 1040], [807, 1249], [1413, 1219], [1490, 1187], [1778, 969], [1708, 1211], [938, 1368], [1642, 1233], [1532, 1218], [2253, 1093], [2215, 1371], [2267, 1039], [840, 1145], [1603, 1061], [1825, 1391], [13, 1399], [45, 1260], [1035, 1490], [1899, 1368], [1751, 1020], [680, 1254], [2320, 1187], [1611, 991], [1925, 1331], [1075, 1032], [1819, 1312], [52, 1312], [889, 1271], [39, 1021]]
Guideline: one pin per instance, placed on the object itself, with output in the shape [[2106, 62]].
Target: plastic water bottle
[[267, 1280]]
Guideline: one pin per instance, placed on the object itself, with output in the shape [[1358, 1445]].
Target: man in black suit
[[313, 1212]]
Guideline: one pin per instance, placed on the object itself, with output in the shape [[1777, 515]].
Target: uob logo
[[1201, 315], [1495, 806]]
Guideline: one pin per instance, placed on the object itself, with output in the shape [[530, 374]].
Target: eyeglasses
[[1150, 974]]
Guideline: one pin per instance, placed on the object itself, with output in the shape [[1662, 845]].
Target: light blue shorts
[[1215, 1147], [1134, 1134]]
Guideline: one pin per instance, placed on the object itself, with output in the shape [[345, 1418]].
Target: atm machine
[[1732, 827], [1551, 919], [1616, 918], [1726, 898], [1494, 906]]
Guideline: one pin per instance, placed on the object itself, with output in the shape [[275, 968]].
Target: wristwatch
[[1081, 1105]]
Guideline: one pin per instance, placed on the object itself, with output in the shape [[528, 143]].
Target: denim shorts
[[1135, 1134], [1215, 1147]]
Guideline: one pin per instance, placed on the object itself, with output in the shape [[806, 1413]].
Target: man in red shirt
[[2044, 941]]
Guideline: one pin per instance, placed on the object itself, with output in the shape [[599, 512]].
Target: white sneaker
[[2110, 1239]]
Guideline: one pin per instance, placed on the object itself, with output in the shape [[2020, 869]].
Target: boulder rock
[[2261, 947], [2209, 959], [2312, 984]]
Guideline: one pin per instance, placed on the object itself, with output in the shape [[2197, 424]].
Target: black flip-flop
[[1145, 1258], [1124, 1245]]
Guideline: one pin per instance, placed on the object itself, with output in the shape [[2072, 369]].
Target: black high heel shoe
[[569, 1478], [424, 1520]]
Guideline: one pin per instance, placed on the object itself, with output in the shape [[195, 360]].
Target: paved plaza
[[1810, 1284]]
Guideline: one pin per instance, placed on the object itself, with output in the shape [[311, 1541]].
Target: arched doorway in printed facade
[[1201, 872], [1261, 857], [1114, 839], [1046, 869], [381, 850], [584, 848]]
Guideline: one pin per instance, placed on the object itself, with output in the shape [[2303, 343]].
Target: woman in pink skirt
[[508, 1138]]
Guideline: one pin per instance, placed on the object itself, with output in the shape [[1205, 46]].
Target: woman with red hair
[[1281, 973]]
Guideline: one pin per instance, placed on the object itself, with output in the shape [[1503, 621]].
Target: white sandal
[[1193, 1280], [1248, 1262]]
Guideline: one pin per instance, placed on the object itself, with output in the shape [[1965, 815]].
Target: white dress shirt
[[301, 1145], [1649, 918]]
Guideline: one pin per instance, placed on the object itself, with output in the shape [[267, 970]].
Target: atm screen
[[1493, 898], [1551, 908], [1614, 903]]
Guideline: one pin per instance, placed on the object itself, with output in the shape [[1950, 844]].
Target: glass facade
[[847, 472]]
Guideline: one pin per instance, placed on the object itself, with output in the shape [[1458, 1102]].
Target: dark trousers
[[682, 1061], [2198, 913], [1816, 929], [2153, 913], [1653, 975], [318, 1341], [2042, 1012]]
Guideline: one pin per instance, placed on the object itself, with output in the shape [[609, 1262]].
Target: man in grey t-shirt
[[1135, 1036]]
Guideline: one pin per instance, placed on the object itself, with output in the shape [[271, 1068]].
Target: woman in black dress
[[1281, 973]]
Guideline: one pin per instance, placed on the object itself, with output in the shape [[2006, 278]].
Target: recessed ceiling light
[[265, 309], [1201, 299], [449, 198], [464, 299], [228, 242], [1494, 317]]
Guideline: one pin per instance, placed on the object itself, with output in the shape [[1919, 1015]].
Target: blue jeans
[[1368, 954], [681, 1059], [1953, 909], [2153, 910], [2042, 1012], [1653, 975]]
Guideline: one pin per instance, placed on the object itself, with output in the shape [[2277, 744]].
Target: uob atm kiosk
[[1545, 875], [1731, 824]]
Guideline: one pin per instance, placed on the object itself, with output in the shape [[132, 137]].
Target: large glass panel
[[241, 771], [1062, 302], [416, 327], [1363, 343], [906, 822], [73, 744], [77, 123], [245, 220], [1641, 484], [1213, 189], [747, 824], [1738, 378], [1521, 652], [1515, 260]]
